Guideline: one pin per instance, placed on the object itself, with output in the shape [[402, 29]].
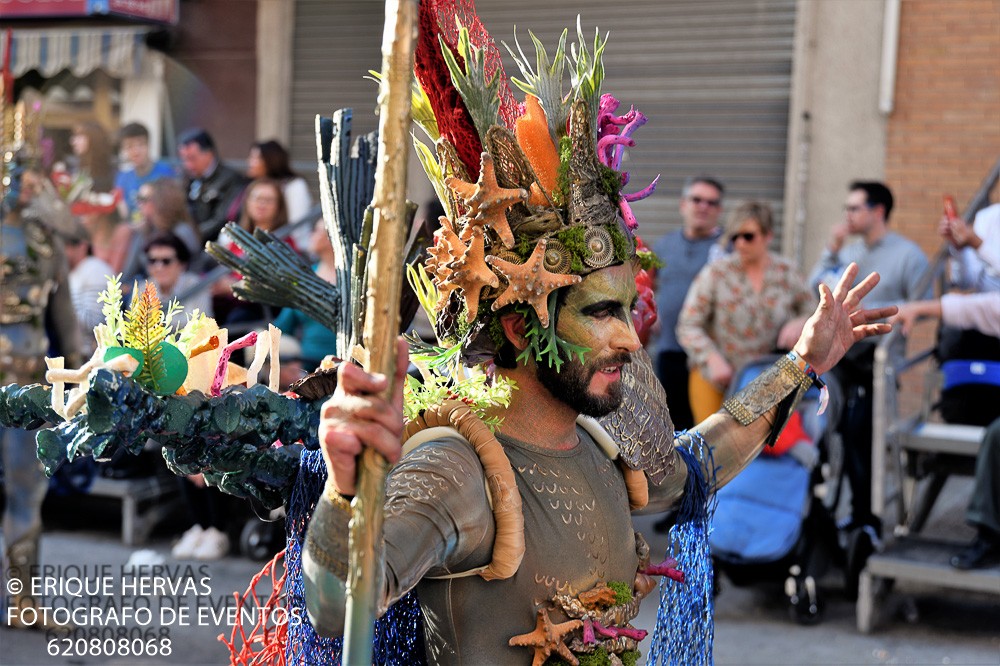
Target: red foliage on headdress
[[465, 11], [269, 638], [644, 315], [453, 119]]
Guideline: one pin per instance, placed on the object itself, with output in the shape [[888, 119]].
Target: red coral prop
[[465, 11], [272, 638], [453, 118], [644, 315]]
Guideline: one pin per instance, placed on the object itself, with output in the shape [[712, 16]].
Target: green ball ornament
[[114, 352]]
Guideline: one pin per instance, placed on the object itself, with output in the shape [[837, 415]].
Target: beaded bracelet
[[803, 365]]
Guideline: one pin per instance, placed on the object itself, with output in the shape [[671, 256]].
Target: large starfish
[[470, 273], [530, 282], [548, 638], [487, 201], [444, 251]]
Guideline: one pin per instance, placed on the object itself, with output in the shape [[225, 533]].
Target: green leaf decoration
[[145, 328], [481, 95], [544, 80], [544, 345], [587, 73], [429, 161], [420, 106], [109, 334]]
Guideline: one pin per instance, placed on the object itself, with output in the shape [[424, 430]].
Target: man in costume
[[519, 540], [33, 286]]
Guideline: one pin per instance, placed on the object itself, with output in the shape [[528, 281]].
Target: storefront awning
[[115, 50]]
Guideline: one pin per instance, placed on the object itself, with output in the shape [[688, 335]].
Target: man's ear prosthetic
[[514, 328]]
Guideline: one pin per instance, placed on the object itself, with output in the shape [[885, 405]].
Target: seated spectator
[[317, 340], [975, 250], [90, 169], [269, 159], [980, 312], [110, 237], [167, 258], [214, 191], [740, 307], [263, 208], [138, 168], [163, 209], [88, 277]]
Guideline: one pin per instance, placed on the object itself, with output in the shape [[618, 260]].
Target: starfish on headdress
[[548, 638], [470, 273], [530, 282], [487, 201], [443, 253]]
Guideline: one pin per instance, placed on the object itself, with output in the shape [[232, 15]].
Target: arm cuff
[[782, 385], [327, 537]]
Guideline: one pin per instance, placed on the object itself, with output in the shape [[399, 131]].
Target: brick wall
[[943, 135]]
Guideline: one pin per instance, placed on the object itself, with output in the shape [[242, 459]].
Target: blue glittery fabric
[[399, 634], [685, 626]]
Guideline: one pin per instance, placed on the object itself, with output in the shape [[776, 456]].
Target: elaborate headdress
[[532, 192]]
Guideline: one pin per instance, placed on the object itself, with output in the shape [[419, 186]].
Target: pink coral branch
[[609, 145], [220, 369], [588, 632], [666, 568], [643, 193], [630, 222], [637, 121], [615, 632]]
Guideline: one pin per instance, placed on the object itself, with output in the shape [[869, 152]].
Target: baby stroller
[[776, 519]]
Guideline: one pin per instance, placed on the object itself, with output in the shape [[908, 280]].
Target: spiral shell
[[557, 257], [600, 247]]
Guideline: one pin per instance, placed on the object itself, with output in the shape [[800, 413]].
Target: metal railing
[[886, 423]]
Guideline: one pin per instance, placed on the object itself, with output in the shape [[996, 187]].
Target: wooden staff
[[385, 278]]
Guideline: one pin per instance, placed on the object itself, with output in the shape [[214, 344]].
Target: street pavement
[[924, 625]]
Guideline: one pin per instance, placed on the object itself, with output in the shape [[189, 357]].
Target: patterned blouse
[[723, 313]]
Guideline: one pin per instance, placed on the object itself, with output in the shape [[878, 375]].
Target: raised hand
[[358, 415], [839, 321]]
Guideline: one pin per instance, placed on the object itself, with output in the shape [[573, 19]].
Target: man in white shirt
[[975, 250], [88, 277]]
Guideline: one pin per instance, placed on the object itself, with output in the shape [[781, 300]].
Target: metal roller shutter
[[713, 76]]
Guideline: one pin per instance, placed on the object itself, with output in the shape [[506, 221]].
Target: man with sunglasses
[[684, 251], [901, 263]]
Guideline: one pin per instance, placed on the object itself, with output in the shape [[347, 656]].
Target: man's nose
[[625, 337]]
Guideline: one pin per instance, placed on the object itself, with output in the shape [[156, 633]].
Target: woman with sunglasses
[[738, 308], [167, 259]]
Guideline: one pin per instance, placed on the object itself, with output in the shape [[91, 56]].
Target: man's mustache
[[623, 358]]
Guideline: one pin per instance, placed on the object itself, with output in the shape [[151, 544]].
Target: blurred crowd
[[148, 221], [725, 298]]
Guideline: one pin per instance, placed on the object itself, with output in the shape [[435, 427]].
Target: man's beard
[[572, 385]]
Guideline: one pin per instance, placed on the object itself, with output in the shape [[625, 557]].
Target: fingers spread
[[873, 314], [869, 330], [845, 282], [862, 289]]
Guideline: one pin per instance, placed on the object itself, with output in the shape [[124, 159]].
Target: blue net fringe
[[399, 634], [685, 627]]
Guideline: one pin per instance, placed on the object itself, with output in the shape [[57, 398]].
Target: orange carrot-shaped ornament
[[532, 132]]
